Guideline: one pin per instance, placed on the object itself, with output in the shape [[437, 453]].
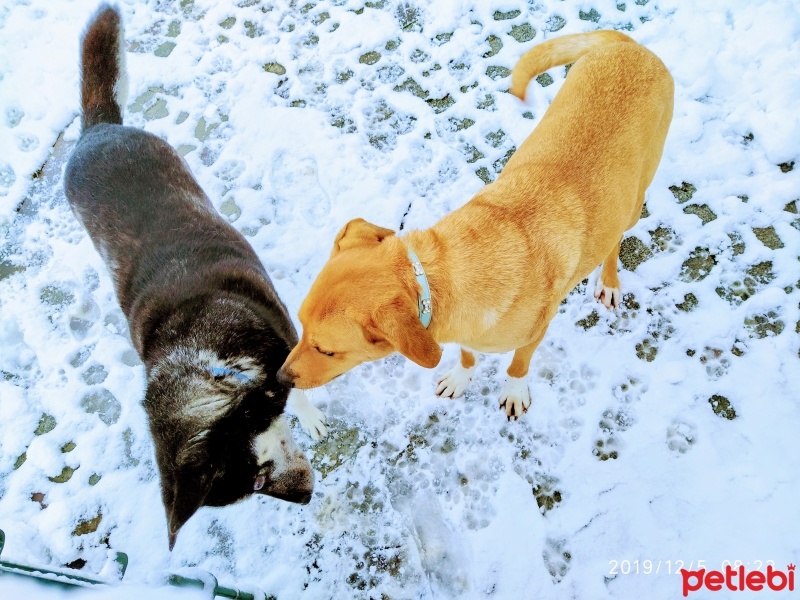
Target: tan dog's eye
[[321, 351]]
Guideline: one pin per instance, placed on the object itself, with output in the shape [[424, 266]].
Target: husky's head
[[220, 435]]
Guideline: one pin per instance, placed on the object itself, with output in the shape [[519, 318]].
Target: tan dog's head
[[363, 306]]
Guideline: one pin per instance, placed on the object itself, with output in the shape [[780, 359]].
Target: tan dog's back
[[582, 173], [616, 101]]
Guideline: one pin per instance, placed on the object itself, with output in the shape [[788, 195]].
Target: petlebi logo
[[738, 579]]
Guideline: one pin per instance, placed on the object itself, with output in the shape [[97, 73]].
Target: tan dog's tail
[[103, 77], [559, 51]]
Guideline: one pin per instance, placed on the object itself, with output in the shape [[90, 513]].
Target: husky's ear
[[183, 496], [398, 322], [359, 232]]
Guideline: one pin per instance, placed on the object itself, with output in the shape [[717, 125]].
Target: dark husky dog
[[202, 312]]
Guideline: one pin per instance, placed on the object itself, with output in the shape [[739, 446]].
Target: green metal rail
[[71, 577]]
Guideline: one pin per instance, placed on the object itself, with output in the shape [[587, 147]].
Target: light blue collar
[[425, 302], [223, 371]]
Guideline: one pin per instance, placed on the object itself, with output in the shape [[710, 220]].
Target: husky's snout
[[284, 472]]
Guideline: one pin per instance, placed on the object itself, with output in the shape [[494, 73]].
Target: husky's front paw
[[516, 397], [311, 418], [454, 382]]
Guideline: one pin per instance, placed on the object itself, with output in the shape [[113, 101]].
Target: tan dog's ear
[[359, 232], [402, 329]]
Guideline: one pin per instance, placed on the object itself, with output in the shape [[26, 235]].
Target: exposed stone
[[440, 105], [410, 85], [683, 193], [722, 407], [555, 23], [88, 526], [274, 67], [737, 244], [64, 476], [504, 16], [369, 58], [701, 210], [633, 252], [698, 265], [94, 374], [592, 319], [165, 49], [689, 303], [104, 403], [495, 72], [157, 111], [472, 153], [761, 326], [46, 424], [522, 33], [484, 174], [56, 296], [768, 237]]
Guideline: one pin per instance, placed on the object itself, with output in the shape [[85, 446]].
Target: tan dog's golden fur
[[499, 266]]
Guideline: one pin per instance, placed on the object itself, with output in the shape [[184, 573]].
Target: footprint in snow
[[557, 557], [680, 437], [608, 442], [295, 181]]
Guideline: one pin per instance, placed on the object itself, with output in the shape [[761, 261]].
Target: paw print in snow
[[556, 558], [295, 181], [630, 391], [715, 361], [546, 495], [680, 437], [608, 444]]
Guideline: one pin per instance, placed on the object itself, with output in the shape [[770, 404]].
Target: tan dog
[[499, 266]]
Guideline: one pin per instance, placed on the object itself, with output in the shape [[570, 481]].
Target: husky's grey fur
[[202, 312]]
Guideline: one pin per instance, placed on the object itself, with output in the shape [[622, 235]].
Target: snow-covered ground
[[659, 436]]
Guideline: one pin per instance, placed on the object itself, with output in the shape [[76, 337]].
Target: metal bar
[[56, 575], [219, 590], [70, 577]]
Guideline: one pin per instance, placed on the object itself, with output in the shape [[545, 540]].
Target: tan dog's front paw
[[516, 397], [454, 382], [607, 296], [312, 419]]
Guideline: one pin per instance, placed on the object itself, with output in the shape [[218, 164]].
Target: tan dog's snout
[[339, 344], [286, 376], [306, 367]]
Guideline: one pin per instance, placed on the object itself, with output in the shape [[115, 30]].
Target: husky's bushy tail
[[559, 51], [104, 82]]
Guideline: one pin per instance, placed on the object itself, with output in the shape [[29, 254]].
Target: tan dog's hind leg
[[516, 396], [607, 290], [456, 380]]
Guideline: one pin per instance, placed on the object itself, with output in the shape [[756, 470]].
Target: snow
[[665, 432]]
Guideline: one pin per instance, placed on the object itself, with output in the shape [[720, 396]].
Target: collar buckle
[[425, 302]]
